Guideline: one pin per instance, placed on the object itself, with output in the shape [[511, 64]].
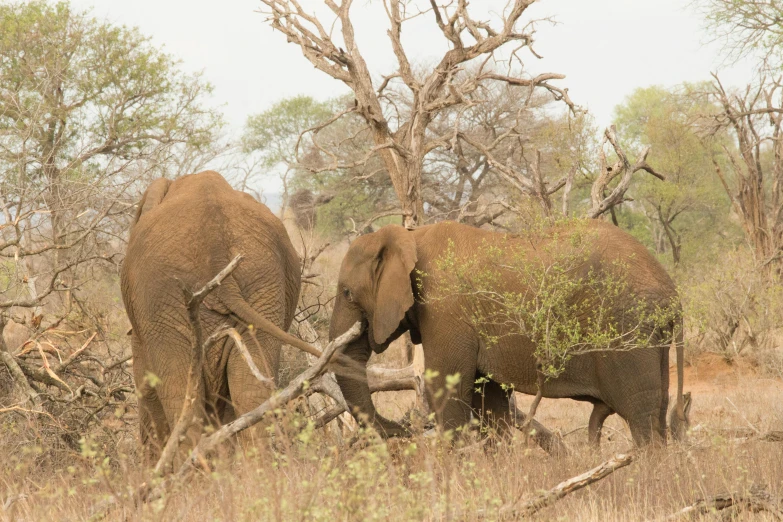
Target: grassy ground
[[311, 477]]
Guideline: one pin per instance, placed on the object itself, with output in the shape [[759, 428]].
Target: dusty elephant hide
[[388, 278], [184, 233]]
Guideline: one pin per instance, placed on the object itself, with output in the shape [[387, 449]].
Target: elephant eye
[[347, 294]]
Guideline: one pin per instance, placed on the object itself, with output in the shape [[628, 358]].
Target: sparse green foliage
[[550, 295], [89, 112], [691, 200], [272, 136], [275, 132]]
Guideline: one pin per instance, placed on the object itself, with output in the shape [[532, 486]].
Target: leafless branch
[[194, 381], [445, 86], [757, 500], [240, 345], [547, 498], [622, 168]]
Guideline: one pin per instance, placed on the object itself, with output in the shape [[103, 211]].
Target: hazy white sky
[[606, 48]]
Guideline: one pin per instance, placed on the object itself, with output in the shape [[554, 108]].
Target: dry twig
[[756, 500], [547, 498]]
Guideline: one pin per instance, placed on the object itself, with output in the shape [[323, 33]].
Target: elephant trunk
[[351, 371], [344, 316]]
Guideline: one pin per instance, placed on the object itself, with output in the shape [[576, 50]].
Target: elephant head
[[374, 287]]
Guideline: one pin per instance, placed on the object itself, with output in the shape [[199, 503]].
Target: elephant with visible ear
[[386, 278], [184, 233]]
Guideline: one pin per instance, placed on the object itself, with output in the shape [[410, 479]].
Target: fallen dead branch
[[71, 358], [24, 411], [745, 435], [70, 388], [18, 376], [240, 345], [547, 498], [378, 379], [146, 493], [290, 392], [329, 415], [772, 436], [393, 379], [758, 499]]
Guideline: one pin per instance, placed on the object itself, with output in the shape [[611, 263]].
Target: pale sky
[[606, 48]]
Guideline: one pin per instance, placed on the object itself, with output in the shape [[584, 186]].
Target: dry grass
[[307, 475], [310, 477]]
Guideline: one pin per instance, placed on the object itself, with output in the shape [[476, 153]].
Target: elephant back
[[189, 229]]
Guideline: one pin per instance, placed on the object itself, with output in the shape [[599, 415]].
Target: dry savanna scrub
[[307, 474]]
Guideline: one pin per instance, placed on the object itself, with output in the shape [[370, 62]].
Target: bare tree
[[403, 139], [755, 116], [746, 27], [503, 147], [89, 115], [621, 170]]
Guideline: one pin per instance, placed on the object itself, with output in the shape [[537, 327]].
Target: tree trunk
[[673, 237], [534, 405]]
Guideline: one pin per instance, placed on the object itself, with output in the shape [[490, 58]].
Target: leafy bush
[[545, 289], [733, 307]]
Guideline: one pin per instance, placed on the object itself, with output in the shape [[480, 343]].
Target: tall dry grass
[[301, 474]]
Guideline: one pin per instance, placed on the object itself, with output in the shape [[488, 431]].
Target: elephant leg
[[171, 394], [152, 423], [449, 398], [161, 367], [245, 390], [491, 404], [600, 412], [218, 404], [351, 373], [634, 390], [153, 426]]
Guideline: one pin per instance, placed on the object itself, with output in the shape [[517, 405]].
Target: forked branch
[[253, 417], [622, 168], [195, 381]]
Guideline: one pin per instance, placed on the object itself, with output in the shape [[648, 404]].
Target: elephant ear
[[394, 294], [152, 197]]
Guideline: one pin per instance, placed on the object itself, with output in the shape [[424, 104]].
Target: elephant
[[183, 234], [387, 278]]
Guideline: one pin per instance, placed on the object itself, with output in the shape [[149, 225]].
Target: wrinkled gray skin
[[185, 232], [377, 284]]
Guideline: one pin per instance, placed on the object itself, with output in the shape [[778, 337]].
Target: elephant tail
[[254, 320], [678, 419]]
